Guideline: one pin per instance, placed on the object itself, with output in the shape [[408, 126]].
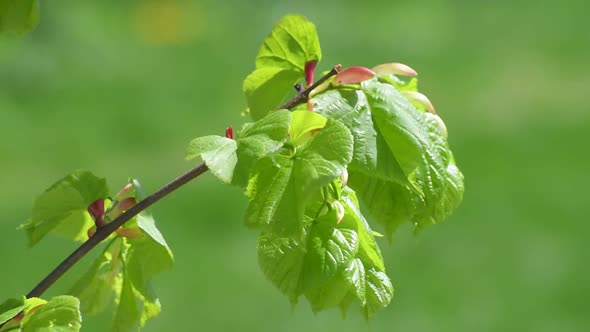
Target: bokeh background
[[121, 87]]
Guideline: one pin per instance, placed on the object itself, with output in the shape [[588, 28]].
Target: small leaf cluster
[[364, 140], [121, 275], [362, 134]]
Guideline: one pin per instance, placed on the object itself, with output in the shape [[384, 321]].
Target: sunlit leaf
[[62, 207]]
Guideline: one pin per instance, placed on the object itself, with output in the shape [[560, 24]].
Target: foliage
[[371, 134]]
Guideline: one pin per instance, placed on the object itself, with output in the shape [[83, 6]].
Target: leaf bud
[[421, 99], [96, 211], [394, 68], [229, 132], [354, 74], [309, 71]]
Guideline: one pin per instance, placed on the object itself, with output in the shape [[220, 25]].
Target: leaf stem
[[303, 96]]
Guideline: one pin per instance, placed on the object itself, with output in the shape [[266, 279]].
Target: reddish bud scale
[[96, 211], [394, 68], [229, 132], [123, 192], [354, 74], [125, 204], [309, 71]]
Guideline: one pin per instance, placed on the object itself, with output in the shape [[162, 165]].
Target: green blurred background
[[121, 87]]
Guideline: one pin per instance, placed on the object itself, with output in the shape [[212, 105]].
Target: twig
[[303, 96], [103, 232]]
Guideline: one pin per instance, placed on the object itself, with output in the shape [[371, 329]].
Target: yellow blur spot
[[169, 22]]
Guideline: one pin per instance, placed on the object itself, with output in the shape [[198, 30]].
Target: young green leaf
[[371, 153], [18, 16], [331, 246], [281, 260], [366, 275], [62, 207], [11, 308], [98, 286], [218, 153], [61, 313], [267, 87], [128, 311], [281, 63], [402, 167], [292, 43], [259, 139], [304, 125], [335, 262], [281, 184], [124, 271]]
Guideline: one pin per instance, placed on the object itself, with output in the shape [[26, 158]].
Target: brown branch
[[103, 232], [303, 96]]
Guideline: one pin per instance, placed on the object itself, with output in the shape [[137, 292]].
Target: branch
[[106, 230], [303, 96], [103, 232]]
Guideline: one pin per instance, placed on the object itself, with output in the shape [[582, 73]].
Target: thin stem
[[103, 232], [303, 96]]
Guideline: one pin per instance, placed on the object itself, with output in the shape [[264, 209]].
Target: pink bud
[[123, 192], [394, 68], [123, 206], [309, 71], [353, 74], [421, 99], [96, 211], [229, 132]]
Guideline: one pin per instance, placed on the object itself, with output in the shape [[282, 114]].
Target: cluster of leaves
[[61, 313], [363, 133], [122, 274], [302, 172]]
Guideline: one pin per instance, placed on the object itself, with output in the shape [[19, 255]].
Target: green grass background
[[121, 87]]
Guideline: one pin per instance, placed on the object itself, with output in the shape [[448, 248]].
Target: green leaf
[[11, 308], [98, 286], [32, 303], [62, 207], [303, 125], [18, 16], [371, 153], [218, 153], [144, 258], [128, 313], [281, 184], [281, 260], [368, 249], [259, 139], [402, 167], [330, 248], [379, 292], [61, 313], [267, 87], [280, 63], [292, 43], [333, 264]]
